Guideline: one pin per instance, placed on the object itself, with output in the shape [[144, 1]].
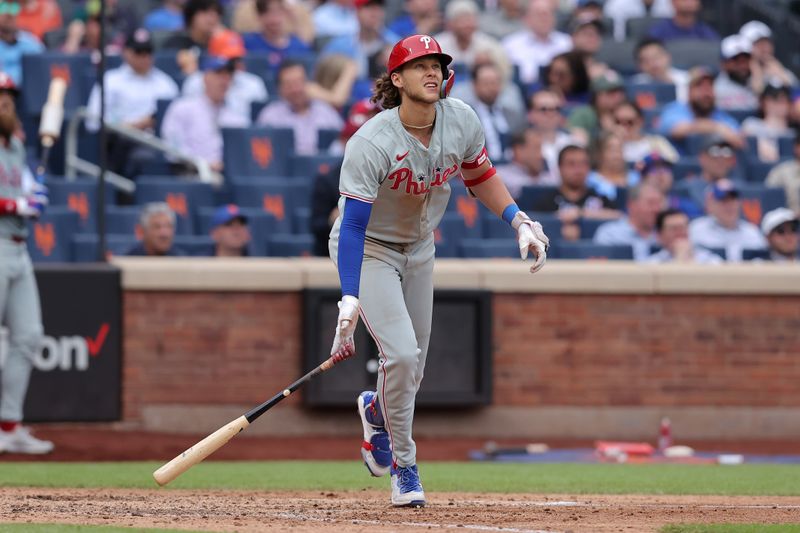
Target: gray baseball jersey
[[19, 297], [408, 187]]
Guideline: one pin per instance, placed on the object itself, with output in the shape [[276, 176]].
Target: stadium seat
[[261, 226], [531, 194], [589, 250], [496, 228], [291, 245], [84, 246], [445, 246], [751, 254], [277, 197], [50, 236], [618, 55], [39, 69], [184, 197], [757, 170], [255, 109], [261, 66], [161, 110], [685, 167], [257, 151], [195, 245], [785, 146], [301, 220], [637, 28], [325, 139], [687, 53], [488, 248], [310, 166], [122, 220], [589, 227], [79, 196], [167, 61], [650, 95], [758, 199], [453, 227]]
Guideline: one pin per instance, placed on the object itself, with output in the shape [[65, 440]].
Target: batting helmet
[[417, 46]]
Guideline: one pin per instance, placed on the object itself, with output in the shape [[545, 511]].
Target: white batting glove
[[31, 206], [531, 238], [343, 343]]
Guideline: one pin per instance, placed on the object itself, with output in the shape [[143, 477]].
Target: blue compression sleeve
[[351, 244], [509, 212]]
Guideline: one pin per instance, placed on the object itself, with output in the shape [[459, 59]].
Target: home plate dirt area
[[369, 511]]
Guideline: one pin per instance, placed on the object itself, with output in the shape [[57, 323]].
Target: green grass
[[449, 476], [69, 528], [732, 528]]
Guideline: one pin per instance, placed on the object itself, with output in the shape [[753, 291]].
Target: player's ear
[[447, 84], [396, 81]]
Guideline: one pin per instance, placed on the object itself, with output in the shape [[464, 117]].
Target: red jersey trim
[[356, 197], [483, 156], [480, 179]]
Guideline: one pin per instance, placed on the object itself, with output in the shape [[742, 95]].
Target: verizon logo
[[68, 352]]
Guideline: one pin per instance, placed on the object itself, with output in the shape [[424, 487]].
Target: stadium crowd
[[630, 128]]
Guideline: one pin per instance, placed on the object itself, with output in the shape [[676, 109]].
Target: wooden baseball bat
[[52, 117], [220, 437]]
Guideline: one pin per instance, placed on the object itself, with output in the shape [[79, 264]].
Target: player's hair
[[386, 94], [155, 208], [663, 215]]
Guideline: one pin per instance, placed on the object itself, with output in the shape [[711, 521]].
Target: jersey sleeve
[[363, 170], [474, 140]]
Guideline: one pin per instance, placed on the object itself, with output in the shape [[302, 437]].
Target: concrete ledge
[[497, 275]]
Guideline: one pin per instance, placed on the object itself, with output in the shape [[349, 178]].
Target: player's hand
[[31, 206], [343, 343], [531, 238]]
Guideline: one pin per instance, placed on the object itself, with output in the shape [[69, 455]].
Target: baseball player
[[394, 190], [21, 198]]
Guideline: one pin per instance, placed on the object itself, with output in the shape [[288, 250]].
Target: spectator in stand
[[462, 39], [297, 110], [192, 123], [657, 172], [575, 199], [421, 16], [629, 121], [132, 92], [504, 19], [732, 86], [299, 20], [509, 97], [201, 18], [765, 67], [499, 118], [168, 17], [700, 116], [363, 47], [622, 10], [537, 44], [655, 66], [246, 88], [780, 227], [546, 118], [527, 166], [334, 18], [587, 8], [39, 17], [273, 37], [638, 228], [586, 121], [359, 113], [672, 226], [771, 123], [787, 175], [14, 42], [587, 37], [156, 232], [230, 232], [567, 75], [334, 82], [723, 227], [685, 24], [83, 35], [717, 161], [610, 172]]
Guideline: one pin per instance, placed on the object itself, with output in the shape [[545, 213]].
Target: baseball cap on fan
[[777, 217], [227, 213], [755, 30], [735, 45], [140, 41], [363, 3], [216, 64], [723, 189], [226, 44]]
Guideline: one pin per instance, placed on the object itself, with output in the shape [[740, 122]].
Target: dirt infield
[[369, 511]]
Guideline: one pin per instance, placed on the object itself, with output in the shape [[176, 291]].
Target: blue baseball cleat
[[406, 487], [376, 450]]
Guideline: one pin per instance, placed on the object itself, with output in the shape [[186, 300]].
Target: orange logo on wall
[[437, 236], [45, 237], [274, 204], [177, 202], [261, 149], [751, 209], [60, 70], [78, 202], [468, 209]]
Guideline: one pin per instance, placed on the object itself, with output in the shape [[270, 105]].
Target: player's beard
[[8, 124], [421, 96]]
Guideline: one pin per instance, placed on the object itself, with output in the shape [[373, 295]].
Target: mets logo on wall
[[45, 237], [261, 149]]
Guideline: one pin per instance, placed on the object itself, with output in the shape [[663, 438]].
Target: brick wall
[[218, 348]]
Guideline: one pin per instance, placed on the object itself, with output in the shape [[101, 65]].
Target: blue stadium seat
[[650, 95], [122, 220], [326, 138], [184, 197], [758, 199], [687, 53], [39, 69], [454, 227], [261, 226], [50, 236], [309, 166], [496, 228], [589, 227], [291, 245], [618, 55], [195, 245], [255, 109], [488, 248], [531, 194], [636, 28], [685, 167], [301, 219], [277, 197], [84, 246], [257, 151], [167, 61], [161, 110], [264, 68], [589, 250], [79, 196], [757, 170], [751, 254], [445, 246]]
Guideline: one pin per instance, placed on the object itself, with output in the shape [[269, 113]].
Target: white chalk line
[[475, 527], [606, 505]]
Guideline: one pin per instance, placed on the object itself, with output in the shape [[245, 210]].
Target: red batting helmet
[[413, 47]]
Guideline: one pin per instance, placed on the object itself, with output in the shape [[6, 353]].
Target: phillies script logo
[[404, 177], [68, 352]]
